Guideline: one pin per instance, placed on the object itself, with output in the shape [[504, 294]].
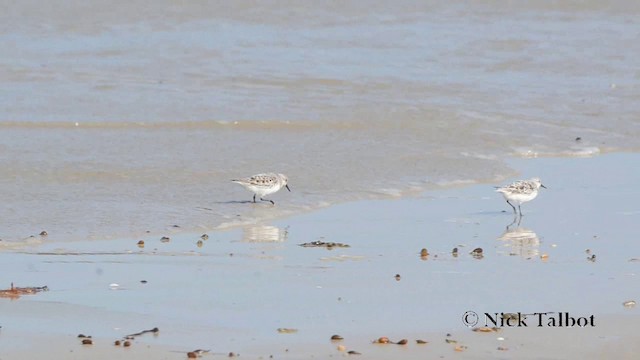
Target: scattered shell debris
[[287, 330], [165, 239], [477, 253], [141, 243], [199, 243], [336, 337], [341, 348], [486, 329], [513, 316], [43, 233], [327, 245], [155, 331], [204, 237], [454, 252], [386, 340], [87, 342], [629, 304], [424, 254], [382, 340], [592, 258], [422, 342], [397, 277], [15, 292], [125, 341], [353, 352], [199, 352]]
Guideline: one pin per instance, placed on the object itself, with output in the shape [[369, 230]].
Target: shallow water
[[117, 120]]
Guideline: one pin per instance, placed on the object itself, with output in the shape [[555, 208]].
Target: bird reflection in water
[[520, 241], [264, 233]]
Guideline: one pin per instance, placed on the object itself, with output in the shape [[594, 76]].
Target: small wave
[[389, 192], [526, 153], [587, 151], [479, 156], [583, 152]]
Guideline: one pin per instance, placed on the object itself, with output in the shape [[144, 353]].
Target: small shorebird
[[264, 184], [520, 192]]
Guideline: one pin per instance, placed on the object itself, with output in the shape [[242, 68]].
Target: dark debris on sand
[[328, 245], [16, 292]]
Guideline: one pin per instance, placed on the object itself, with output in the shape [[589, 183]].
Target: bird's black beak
[[543, 186], [287, 186]]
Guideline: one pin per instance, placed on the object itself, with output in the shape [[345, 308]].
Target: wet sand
[[232, 292]]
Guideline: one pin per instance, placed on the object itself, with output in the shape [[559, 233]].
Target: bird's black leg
[[514, 208], [520, 210], [271, 201], [254, 197]]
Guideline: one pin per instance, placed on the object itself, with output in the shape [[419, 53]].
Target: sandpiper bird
[[264, 184], [520, 192]]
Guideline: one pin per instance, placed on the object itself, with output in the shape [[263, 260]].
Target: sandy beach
[[235, 290]]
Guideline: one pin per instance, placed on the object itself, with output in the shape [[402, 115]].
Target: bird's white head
[[284, 180], [537, 182]]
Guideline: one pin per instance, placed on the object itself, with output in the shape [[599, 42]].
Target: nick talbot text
[[548, 319]]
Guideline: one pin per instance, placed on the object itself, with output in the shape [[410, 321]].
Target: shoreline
[[233, 291], [410, 191]]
